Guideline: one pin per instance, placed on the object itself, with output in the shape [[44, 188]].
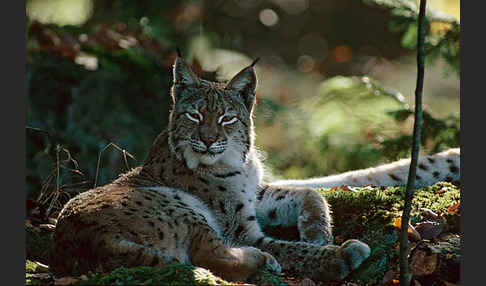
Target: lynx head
[[210, 122]]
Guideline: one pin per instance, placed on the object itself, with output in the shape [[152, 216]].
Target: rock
[[433, 226], [436, 262], [306, 282], [423, 260], [430, 229]]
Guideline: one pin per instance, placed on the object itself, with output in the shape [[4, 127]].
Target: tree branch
[[417, 130]]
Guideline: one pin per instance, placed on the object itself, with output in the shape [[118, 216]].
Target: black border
[[13, 119], [472, 194]]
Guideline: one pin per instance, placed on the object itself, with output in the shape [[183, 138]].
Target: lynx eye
[[196, 117], [225, 120]]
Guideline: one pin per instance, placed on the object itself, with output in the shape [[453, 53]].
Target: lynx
[[200, 199]]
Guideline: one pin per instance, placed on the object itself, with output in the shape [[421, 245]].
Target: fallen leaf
[[454, 207], [441, 191], [398, 222], [334, 188], [344, 188], [389, 276], [412, 233]]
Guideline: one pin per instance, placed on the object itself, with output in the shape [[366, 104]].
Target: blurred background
[[336, 81]]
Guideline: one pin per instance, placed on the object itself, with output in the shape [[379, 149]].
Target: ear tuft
[[182, 73], [245, 83], [254, 62], [179, 54]]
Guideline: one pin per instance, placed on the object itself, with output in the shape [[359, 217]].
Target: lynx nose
[[208, 141]]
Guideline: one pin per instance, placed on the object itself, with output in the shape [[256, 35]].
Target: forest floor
[[371, 214]]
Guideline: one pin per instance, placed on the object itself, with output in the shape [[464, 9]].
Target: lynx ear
[[182, 73], [245, 83]]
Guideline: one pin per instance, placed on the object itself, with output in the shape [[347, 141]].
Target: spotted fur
[[199, 198], [443, 166]]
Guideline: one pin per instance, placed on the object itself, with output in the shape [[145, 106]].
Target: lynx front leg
[[323, 263], [233, 264], [301, 207]]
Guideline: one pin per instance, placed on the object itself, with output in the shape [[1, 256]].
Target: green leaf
[[409, 39]]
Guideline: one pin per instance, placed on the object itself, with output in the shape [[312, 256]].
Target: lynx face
[[210, 123]]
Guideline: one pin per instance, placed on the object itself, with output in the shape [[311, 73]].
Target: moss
[[30, 266], [31, 269], [368, 214], [267, 278], [173, 274]]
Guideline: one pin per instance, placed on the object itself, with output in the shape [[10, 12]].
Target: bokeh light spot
[[342, 54], [60, 12], [268, 17], [305, 63]]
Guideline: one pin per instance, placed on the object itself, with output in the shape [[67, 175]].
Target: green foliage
[[84, 110], [437, 134], [331, 131], [442, 44], [352, 123]]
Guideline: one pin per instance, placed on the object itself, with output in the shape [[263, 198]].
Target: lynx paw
[[346, 258], [354, 252], [271, 263]]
